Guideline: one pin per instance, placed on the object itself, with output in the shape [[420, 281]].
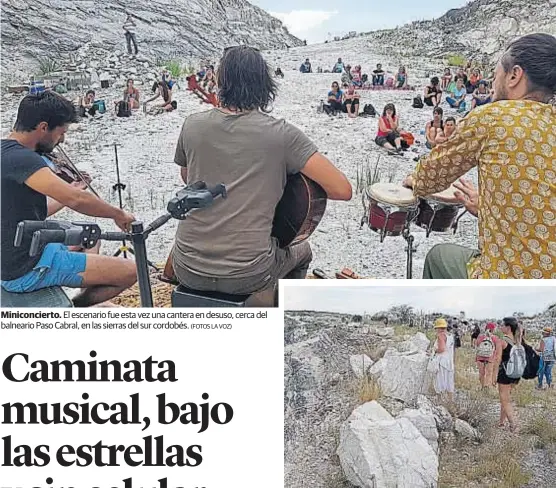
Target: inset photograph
[[419, 386]]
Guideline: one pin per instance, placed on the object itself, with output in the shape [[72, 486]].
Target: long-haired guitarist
[[228, 247], [32, 191]]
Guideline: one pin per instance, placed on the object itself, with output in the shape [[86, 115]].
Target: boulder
[[385, 332], [426, 424], [443, 418], [401, 376], [418, 342], [463, 429], [377, 450], [360, 364]]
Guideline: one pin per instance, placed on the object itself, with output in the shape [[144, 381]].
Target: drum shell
[[389, 219], [440, 221]]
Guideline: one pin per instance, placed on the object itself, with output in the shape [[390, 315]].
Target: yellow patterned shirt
[[513, 144]]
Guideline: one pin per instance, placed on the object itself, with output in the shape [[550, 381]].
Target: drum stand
[[410, 249]]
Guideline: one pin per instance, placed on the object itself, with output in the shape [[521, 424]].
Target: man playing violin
[[228, 247], [512, 141], [32, 191]]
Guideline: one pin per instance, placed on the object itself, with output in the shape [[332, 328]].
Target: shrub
[[47, 65], [456, 60]]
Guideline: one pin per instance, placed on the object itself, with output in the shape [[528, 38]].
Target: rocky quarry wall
[[91, 31]]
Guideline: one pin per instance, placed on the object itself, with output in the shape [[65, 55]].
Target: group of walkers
[[500, 357]]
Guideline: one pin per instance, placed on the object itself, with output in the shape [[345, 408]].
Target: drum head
[[392, 193], [446, 196]]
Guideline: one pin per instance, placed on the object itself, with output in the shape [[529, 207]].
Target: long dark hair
[[536, 55], [244, 80], [389, 106], [513, 324], [165, 93]]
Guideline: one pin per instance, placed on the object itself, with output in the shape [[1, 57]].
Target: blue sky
[[314, 19], [476, 301]]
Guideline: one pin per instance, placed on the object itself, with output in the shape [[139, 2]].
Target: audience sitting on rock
[[473, 81], [388, 135], [131, 95], [346, 75], [365, 83], [279, 73], [338, 67], [356, 76], [209, 78], [167, 78], [401, 77], [378, 75], [433, 127], [457, 98], [87, 104], [306, 67], [335, 96], [351, 102], [446, 79], [461, 75], [481, 96], [433, 94], [444, 134], [162, 91]]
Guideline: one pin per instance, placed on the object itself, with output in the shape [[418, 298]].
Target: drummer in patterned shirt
[[513, 144]]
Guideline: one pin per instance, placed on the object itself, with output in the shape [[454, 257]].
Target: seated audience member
[[434, 127], [167, 104], [346, 75], [378, 75], [167, 78], [356, 76], [473, 82], [279, 73], [131, 95], [461, 75], [306, 67], [457, 98], [401, 78], [31, 191], [351, 102], [445, 133], [87, 104], [388, 135], [338, 67], [334, 99], [433, 94], [446, 78], [481, 96], [208, 79]]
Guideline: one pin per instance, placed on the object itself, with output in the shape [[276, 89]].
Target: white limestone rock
[[463, 429], [377, 450], [360, 364], [426, 424]]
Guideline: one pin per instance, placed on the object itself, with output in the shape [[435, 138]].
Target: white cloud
[[302, 22]]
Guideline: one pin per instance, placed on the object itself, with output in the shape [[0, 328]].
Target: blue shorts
[[482, 102], [58, 266]]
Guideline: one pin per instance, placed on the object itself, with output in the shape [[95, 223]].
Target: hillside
[[91, 30], [480, 29]]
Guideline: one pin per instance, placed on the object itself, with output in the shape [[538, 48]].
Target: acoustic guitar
[[296, 217]]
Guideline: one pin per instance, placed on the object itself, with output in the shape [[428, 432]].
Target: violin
[[64, 168]]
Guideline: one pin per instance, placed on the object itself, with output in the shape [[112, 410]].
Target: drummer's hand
[[467, 195], [408, 182]]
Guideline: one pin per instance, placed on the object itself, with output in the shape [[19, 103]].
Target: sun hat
[[491, 326], [440, 324]]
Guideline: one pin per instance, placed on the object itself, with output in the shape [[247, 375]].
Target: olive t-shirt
[[251, 153], [19, 202]]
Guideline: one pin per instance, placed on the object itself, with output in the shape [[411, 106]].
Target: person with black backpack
[[511, 362]]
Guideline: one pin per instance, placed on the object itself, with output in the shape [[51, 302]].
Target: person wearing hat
[[485, 355], [481, 95], [444, 382], [547, 350]]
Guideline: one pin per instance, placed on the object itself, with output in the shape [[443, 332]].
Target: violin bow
[[74, 168]]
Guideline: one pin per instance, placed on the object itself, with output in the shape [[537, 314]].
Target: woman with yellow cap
[[444, 357], [547, 350]]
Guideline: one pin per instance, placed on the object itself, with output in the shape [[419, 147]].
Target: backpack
[[533, 363], [486, 348], [517, 362], [123, 109], [418, 102], [549, 353], [368, 109]]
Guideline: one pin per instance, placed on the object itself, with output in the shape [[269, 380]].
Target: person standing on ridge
[[129, 28]]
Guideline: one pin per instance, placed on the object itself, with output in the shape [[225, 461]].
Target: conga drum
[[391, 208], [439, 212]]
